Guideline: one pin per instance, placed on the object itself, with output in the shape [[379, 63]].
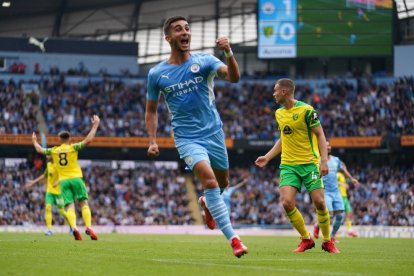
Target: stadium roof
[[405, 8], [21, 8]]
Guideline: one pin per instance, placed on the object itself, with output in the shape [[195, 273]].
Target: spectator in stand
[[122, 197], [367, 109], [17, 110]]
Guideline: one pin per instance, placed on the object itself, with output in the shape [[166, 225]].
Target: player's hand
[[223, 43], [153, 150], [261, 161], [324, 169], [354, 181], [245, 175], [95, 120], [28, 185], [34, 138], [56, 183]]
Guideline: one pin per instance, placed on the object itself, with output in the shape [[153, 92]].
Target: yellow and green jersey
[[52, 176], [342, 183], [299, 143], [65, 158]]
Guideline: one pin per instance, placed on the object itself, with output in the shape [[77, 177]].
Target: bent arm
[[348, 174], [37, 146], [323, 150], [241, 183], [230, 72], [274, 151], [32, 182], [320, 135]]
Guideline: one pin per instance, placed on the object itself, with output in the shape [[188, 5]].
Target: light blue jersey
[[330, 180], [333, 198], [188, 90]]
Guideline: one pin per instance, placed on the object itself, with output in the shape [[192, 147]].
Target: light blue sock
[[218, 211], [338, 222]]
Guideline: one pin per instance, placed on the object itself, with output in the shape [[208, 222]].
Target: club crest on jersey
[[287, 130], [295, 116], [195, 68]]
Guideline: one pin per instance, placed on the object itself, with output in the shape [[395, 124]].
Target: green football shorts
[[72, 189], [347, 206], [54, 200], [295, 175]]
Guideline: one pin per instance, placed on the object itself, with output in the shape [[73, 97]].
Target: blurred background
[[62, 61]]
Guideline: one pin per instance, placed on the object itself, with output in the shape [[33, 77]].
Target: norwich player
[[52, 195], [347, 207], [304, 159], [72, 185]]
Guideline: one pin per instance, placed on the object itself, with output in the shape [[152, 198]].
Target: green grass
[[374, 37], [118, 254]]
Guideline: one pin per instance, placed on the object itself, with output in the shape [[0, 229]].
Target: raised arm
[[320, 135], [229, 72], [151, 122], [348, 174], [29, 184], [262, 161], [95, 124], [241, 183], [38, 147]]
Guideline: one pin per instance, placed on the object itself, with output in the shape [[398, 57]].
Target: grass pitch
[[118, 254], [328, 26]]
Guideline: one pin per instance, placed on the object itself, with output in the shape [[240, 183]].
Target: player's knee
[[288, 204], [61, 211], [48, 207], [210, 183], [319, 202], [339, 217], [224, 183]]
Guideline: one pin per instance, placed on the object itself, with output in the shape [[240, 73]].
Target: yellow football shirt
[[52, 176], [342, 183], [65, 158], [299, 143]]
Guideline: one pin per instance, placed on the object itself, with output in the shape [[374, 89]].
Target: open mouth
[[185, 42]]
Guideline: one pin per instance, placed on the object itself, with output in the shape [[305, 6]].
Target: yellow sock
[[86, 215], [48, 216], [297, 221], [63, 213], [71, 216], [324, 223], [348, 224]]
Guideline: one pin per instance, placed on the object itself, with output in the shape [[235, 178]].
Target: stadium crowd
[[384, 197], [143, 196], [147, 196], [120, 107], [345, 109], [18, 110]]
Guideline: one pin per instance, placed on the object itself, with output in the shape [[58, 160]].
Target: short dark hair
[[168, 21], [64, 135]]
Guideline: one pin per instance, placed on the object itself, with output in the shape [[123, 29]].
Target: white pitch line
[[249, 266]]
